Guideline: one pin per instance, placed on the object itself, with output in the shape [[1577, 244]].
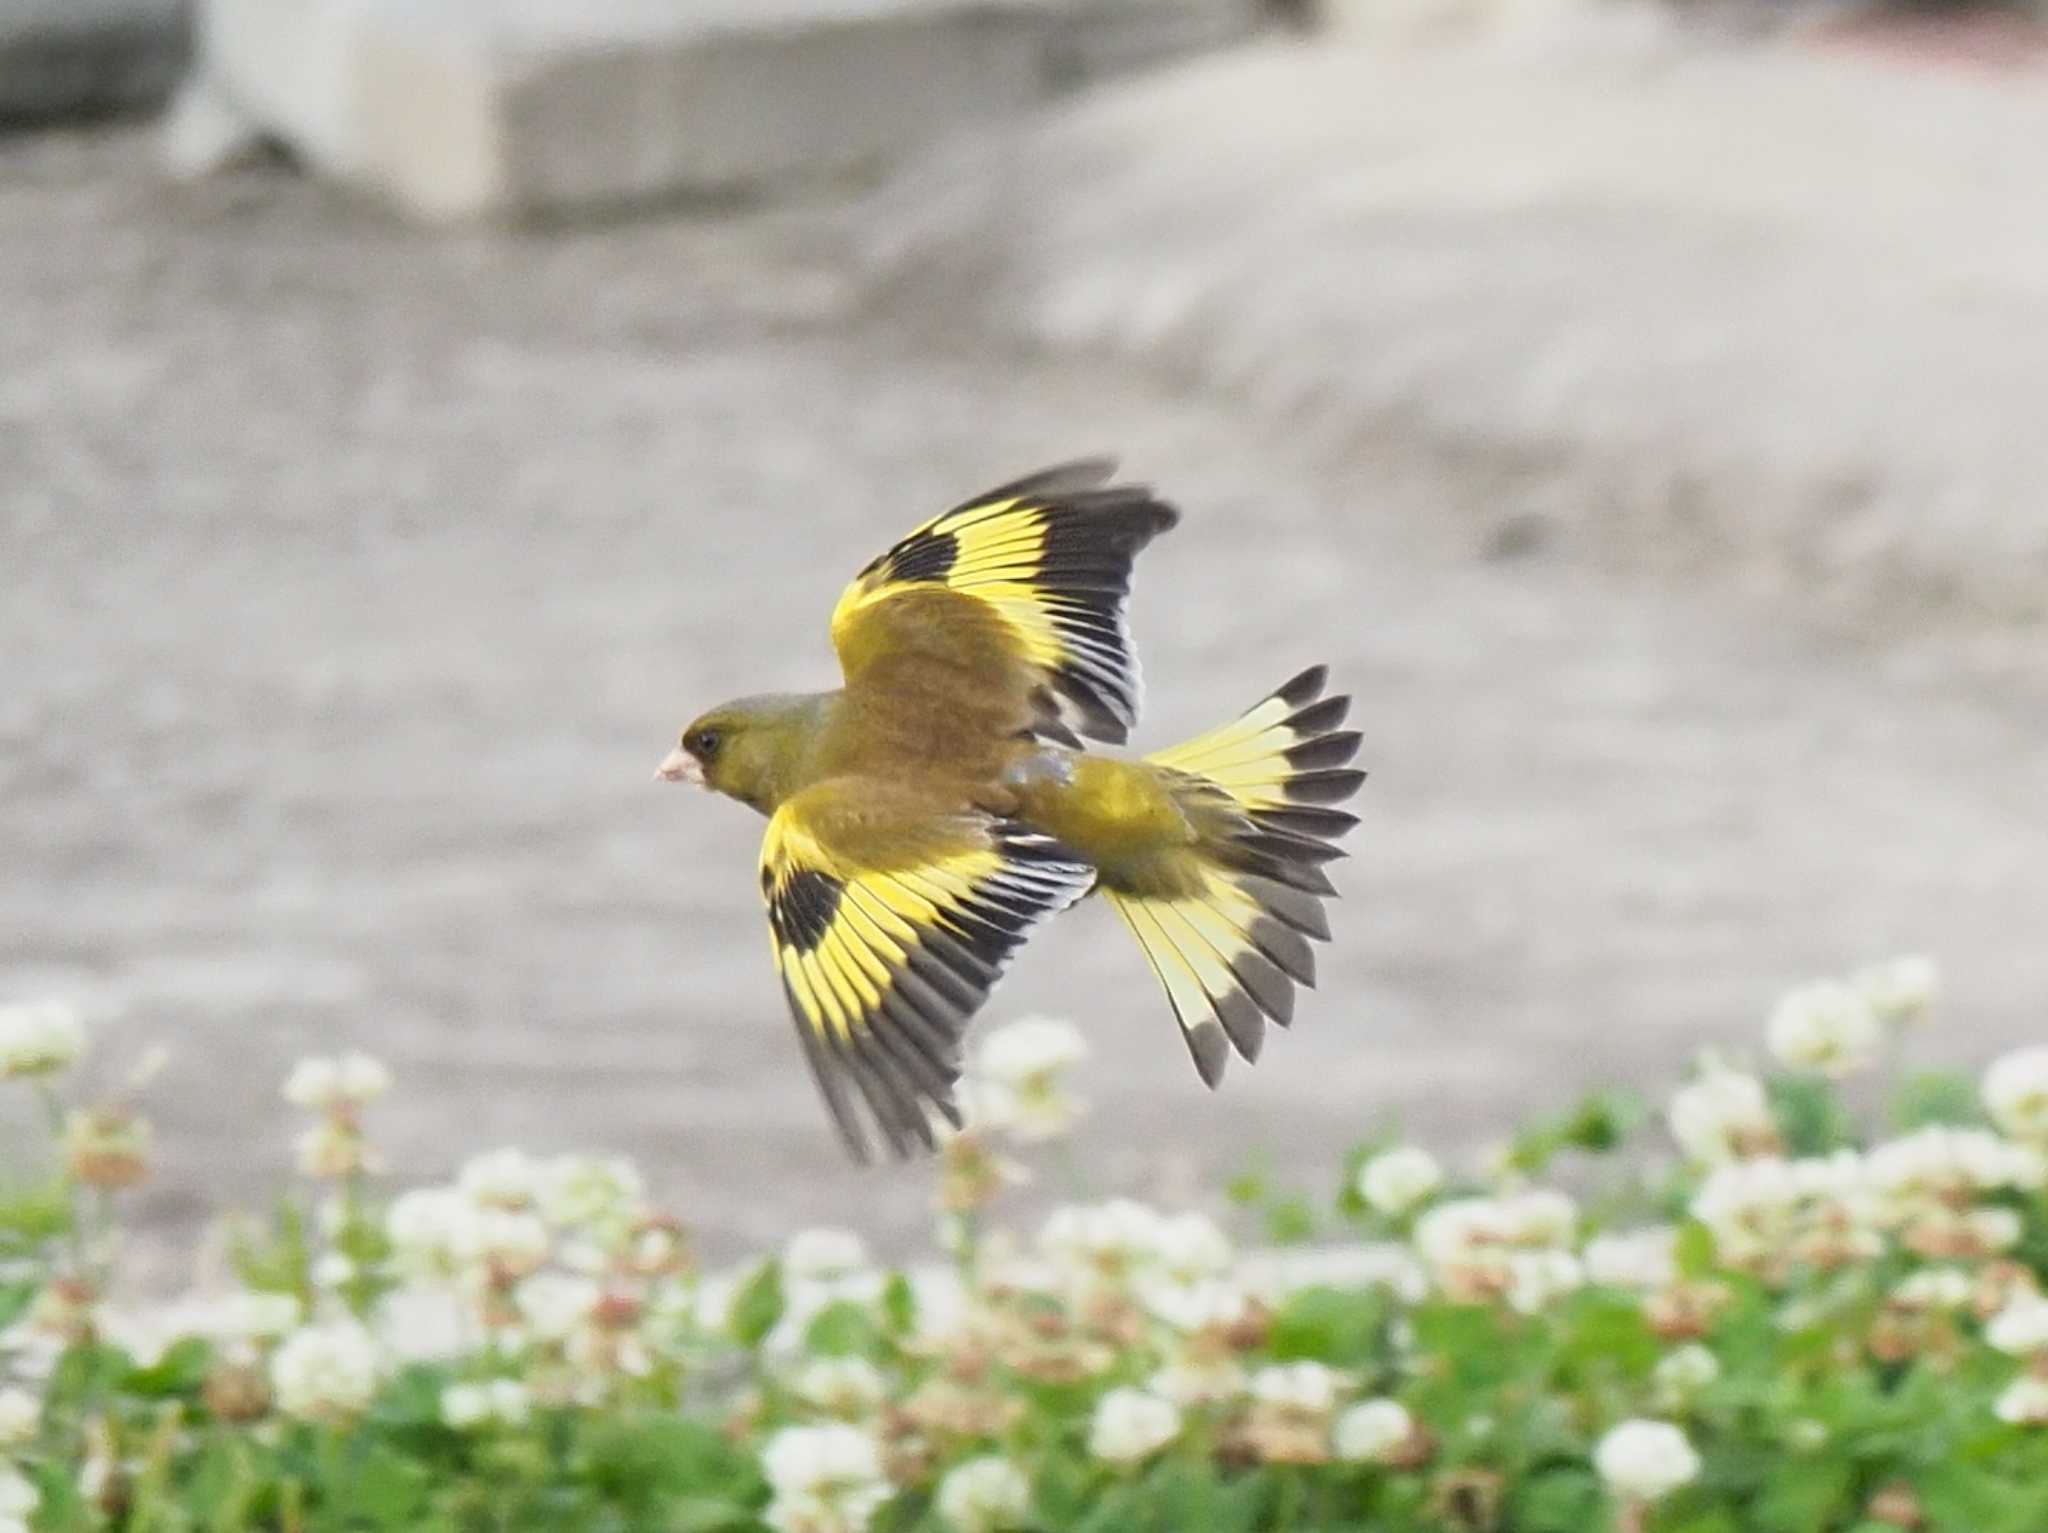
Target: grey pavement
[[356, 579], [1778, 312]]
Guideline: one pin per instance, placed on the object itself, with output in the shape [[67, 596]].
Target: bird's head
[[747, 749]]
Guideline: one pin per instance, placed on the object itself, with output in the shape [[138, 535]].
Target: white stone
[[470, 108], [205, 130]]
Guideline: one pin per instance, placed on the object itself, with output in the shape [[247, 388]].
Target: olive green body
[[1125, 817]]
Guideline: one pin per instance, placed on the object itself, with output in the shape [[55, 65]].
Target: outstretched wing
[[1018, 593], [891, 923]]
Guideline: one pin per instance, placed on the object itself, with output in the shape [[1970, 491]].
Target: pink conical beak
[[680, 766]]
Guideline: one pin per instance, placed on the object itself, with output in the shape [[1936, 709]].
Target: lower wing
[[892, 920]]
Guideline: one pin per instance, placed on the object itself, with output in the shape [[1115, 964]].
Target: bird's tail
[[1228, 934]]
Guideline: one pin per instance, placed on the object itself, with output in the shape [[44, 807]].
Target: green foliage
[[1343, 1327], [1935, 1097], [758, 1306], [1598, 1125], [1810, 1114]]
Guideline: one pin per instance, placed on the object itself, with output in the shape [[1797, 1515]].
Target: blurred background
[[410, 414]]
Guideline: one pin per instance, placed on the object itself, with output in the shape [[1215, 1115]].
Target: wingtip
[[1210, 1047], [1302, 689]]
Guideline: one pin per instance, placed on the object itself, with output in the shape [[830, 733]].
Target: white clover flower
[[555, 1305], [1841, 1178], [1935, 1288], [21, 1415], [1308, 1387], [1018, 1084], [1536, 1279], [1993, 1229], [1199, 1381], [504, 1178], [1511, 1247], [1132, 1424], [1901, 989], [841, 1386], [513, 1244], [18, 1497], [433, 1233], [1826, 1026], [588, 1189], [1396, 1180], [1187, 1247], [1681, 1375], [1538, 1217], [464, 1406], [360, 1078], [1722, 1115], [1203, 1305], [331, 1270], [505, 1402], [1644, 1260], [985, 1495], [323, 1084], [1944, 1164], [1645, 1460], [1101, 1242], [2024, 1402], [1031, 1048], [1457, 1233], [1751, 1207], [2015, 1093], [823, 1254], [1372, 1431], [325, 1372], [585, 1256], [2021, 1328], [822, 1267], [312, 1083], [826, 1479], [39, 1038], [1841, 1209]]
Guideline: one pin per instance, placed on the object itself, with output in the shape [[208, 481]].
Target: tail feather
[[1231, 940]]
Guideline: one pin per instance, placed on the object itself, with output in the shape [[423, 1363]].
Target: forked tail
[[1227, 927]]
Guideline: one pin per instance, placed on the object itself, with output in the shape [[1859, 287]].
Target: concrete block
[[68, 58], [1101, 39], [474, 108]]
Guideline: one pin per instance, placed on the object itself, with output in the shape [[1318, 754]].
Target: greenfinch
[[924, 817]]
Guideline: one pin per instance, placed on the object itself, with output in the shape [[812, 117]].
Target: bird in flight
[[927, 815]]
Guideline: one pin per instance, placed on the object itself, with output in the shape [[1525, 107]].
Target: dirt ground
[[356, 578]]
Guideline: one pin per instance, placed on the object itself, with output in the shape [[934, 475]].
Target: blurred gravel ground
[[1774, 313], [355, 580]]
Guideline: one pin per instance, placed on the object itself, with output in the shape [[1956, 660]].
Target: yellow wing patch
[[1050, 556], [884, 966]]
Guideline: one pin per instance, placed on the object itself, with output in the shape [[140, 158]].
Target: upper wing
[[891, 923], [1037, 573]]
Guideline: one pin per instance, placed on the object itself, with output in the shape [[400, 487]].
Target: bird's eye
[[704, 742]]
